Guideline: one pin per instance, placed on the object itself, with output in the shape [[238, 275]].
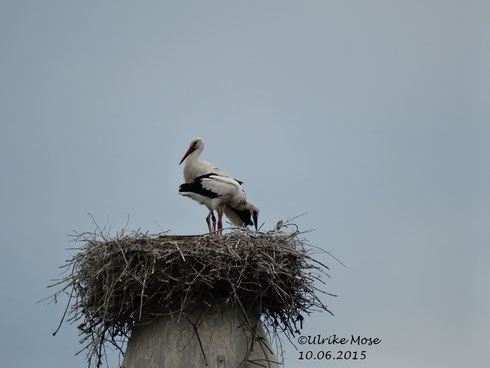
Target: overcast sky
[[373, 117]]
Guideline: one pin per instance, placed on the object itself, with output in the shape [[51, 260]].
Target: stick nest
[[115, 282]]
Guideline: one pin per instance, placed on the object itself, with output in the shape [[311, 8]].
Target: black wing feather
[[196, 187]]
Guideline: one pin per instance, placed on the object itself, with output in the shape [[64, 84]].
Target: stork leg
[[214, 222], [208, 221], [213, 219], [220, 223]]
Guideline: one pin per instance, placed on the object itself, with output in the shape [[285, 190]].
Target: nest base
[[210, 337]]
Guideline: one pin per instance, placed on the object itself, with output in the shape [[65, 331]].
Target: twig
[[132, 277]]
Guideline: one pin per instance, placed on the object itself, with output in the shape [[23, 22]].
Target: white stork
[[215, 192]]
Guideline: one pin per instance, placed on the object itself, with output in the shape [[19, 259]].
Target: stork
[[216, 192], [240, 212]]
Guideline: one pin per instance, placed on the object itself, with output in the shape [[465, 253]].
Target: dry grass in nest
[[117, 282]]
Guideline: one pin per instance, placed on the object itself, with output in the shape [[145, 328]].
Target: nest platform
[[117, 282]]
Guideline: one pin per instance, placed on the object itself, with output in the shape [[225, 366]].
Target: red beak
[[189, 151]]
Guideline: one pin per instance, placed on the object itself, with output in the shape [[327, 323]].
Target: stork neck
[[190, 166], [192, 158]]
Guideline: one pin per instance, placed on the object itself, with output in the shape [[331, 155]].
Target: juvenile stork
[[216, 193]]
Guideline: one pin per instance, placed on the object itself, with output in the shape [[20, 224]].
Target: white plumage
[[215, 192], [194, 168], [218, 191]]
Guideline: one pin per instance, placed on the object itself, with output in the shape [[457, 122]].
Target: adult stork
[[216, 193], [205, 188]]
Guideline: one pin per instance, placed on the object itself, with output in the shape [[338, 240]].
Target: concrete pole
[[215, 338]]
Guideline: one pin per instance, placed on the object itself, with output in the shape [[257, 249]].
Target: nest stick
[[127, 279]]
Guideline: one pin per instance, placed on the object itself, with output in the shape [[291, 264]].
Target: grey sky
[[372, 117]]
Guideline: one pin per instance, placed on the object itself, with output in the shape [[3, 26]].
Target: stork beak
[[189, 151], [256, 220]]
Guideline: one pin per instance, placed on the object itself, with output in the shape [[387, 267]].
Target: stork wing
[[211, 169], [220, 185]]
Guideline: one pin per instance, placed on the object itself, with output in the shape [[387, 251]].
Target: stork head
[[197, 144]]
